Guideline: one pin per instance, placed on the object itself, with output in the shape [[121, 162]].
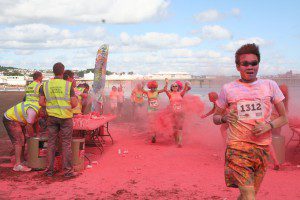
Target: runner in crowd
[[121, 100], [153, 105], [113, 97], [137, 100], [175, 95], [213, 97], [250, 103]]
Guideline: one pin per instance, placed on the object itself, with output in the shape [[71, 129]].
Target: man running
[[249, 101]]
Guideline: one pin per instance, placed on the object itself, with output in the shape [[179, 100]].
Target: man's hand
[[231, 117], [260, 128]]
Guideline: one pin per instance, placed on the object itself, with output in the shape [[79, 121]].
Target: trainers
[[276, 167], [49, 173], [71, 175], [24, 163], [153, 139], [21, 168]]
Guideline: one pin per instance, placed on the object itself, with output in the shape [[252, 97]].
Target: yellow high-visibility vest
[[57, 94], [78, 108], [18, 112], [32, 95]]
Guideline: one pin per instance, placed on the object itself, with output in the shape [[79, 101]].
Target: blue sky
[[149, 36]]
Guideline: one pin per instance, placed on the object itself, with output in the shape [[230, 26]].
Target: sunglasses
[[246, 63], [174, 85]]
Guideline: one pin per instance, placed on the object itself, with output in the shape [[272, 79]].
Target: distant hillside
[[2, 68], [10, 71]]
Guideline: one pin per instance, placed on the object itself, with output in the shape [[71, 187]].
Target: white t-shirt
[[253, 103]]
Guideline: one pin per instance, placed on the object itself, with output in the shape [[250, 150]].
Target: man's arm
[[73, 98], [220, 118], [42, 100], [31, 118], [281, 120], [74, 102], [84, 95], [185, 89], [212, 111]]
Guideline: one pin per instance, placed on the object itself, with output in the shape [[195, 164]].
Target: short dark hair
[[85, 85], [58, 69], [247, 49], [68, 74], [36, 75]]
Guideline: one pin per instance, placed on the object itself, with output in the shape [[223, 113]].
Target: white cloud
[[233, 46], [81, 11], [215, 32], [209, 16], [41, 36], [154, 40], [190, 41], [24, 52], [182, 59], [198, 62], [235, 12], [40, 45], [30, 33], [213, 15]]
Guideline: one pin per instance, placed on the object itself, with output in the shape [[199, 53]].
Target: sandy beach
[[144, 170]]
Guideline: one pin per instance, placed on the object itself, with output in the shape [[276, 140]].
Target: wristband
[[220, 120], [271, 124], [223, 120]]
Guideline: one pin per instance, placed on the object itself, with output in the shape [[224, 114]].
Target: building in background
[[14, 80]]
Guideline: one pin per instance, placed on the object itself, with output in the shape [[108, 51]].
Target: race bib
[[113, 101], [113, 104], [153, 103], [177, 107], [250, 110]]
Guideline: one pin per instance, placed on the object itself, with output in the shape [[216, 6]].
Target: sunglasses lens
[[246, 64], [254, 63]]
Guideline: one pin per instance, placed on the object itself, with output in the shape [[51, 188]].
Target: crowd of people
[[248, 109], [57, 99]]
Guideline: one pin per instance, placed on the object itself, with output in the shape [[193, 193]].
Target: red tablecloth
[[85, 122]]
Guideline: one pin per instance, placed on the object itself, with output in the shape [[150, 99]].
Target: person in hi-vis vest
[[59, 98], [32, 90], [79, 91], [32, 94], [16, 120]]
